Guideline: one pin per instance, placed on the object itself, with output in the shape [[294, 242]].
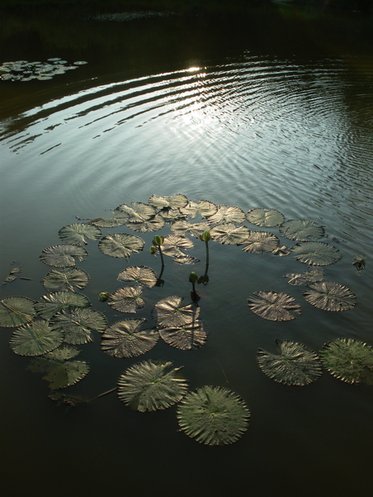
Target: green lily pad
[[66, 279], [294, 364], [60, 374], [202, 208], [79, 233], [63, 353], [330, 296], [349, 360], [136, 212], [230, 234], [108, 222], [227, 214], [302, 230], [154, 224], [316, 253], [16, 311], [274, 306], [121, 245], [260, 241], [36, 338], [311, 276], [127, 299], [63, 255], [268, 218], [126, 339], [180, 228], [78, 324], [213, 416], [168, 202], [171, 313], [151, 386], [141, 274], [52, 303], [187, 337]]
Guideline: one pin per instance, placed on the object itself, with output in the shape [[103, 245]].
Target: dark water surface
[[271, 112]]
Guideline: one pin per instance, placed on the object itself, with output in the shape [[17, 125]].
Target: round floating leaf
[[274, 306], [230, 234], [125, 339], [78, 324], [60, 374], [185, 337], [126, 299], [79, 233], [306, 278], [171, 313], [109, 222], [150, 386], [260, 241], [171, 215], [63, 353], [179, 228], [15, 311], [294, 365], [63, 255], [316, 253], [202, 208], [58, 301], [154, 224], [141, 274], [265, 217], [121, 245], [35, 339], [174, 246], [213, 416], [168, 202], [349, 360], [302, 230], [185, 259], [227, 214], [65, 279], [136, 212], [330, 296]]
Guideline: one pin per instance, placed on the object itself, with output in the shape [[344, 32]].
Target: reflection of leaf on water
[[265, 217], [127, 299], [141, 274], [150, 386], [274, 306], [302, 230], [15, 311], [36, 338], [78, 324], [59, 373], [330, 296], [63, 255], [121, 245], [79, 233], [213, 416], [65, 279]]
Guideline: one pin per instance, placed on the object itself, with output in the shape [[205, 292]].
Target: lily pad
[[302, 230], [171, 313], [126, 339], [78, 324], [141, 274], [349, 360], [230, 234], [63, 255], [16, 311], [187, 337], [59, 373], [168, 202], [52, 303], [35, 339], [330, 296], [213, 416], [121, 245], [268, 218], [108, 222], [294, 364], [274, 306], [136, 212], [66, 279], [154, 224], [151, 386], [63, 353], [79, 233], [179, 228], [306, 278], [316, 253], [127, 299], [202, 208], [260, 241], [227, 214], [174, 246]]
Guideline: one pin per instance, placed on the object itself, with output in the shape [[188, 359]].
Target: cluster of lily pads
[[50, 329], [24, 70]]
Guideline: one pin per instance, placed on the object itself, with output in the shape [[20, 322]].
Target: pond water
[[273, 112]]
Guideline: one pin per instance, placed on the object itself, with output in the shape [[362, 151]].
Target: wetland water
[[272, 113]]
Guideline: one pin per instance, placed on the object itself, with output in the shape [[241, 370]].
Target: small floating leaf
[[213, 416], [349, 360], [265, 217], [60, 374], [202, 208], [260, 241], [63, 353], [65, 279], [316, 253], [141, 274], [185, 337], [168, 202], [125, 339], [110, 222], [121, 245], [150, 386], [171, 313], [230, 234], [58, 301], [15, 311], [274, 306], [359, 262], [302, 230], [35, 339], [136, 212], [227, 214], [294, 365], [78, 324], [63, 255], [306, 278], [154, 224], [330, 296], [79, 233], [127, 299]]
